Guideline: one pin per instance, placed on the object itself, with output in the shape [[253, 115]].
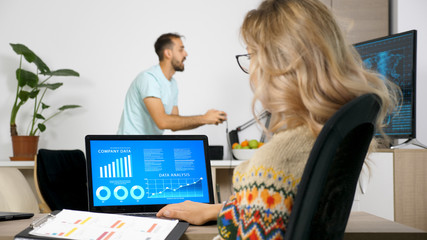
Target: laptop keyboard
[[141, 214]]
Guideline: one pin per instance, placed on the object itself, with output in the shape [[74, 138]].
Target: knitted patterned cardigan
[[265, 188]]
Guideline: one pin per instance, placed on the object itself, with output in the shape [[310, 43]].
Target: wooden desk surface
[[360, 226]]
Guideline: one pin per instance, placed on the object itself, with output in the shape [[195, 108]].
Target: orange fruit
[[234, 145], [244, 143], [260, 144]]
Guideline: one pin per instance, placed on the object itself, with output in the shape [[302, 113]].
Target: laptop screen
[[129, 173]]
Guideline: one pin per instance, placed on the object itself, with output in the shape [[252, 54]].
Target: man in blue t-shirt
[[151, 101]]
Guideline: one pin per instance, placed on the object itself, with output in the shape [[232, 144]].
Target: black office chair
[[326, 191], [60, 177]]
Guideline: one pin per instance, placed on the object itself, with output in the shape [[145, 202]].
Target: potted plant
[[32, 86]]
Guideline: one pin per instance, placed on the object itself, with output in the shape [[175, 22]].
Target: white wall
[[109, 42], [408, 15]]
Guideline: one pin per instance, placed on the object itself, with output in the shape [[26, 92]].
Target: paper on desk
[[102, 226]]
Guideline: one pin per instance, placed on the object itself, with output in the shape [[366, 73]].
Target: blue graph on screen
[[393, 58], [174, 188], [386, 64]]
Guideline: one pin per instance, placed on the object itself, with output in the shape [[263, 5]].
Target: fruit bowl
[[243, 154]]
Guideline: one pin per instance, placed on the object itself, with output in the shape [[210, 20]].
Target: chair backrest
[[325, 194], [60, 176]]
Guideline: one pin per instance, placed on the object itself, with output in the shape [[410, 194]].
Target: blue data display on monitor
[[148, 172], [394, 57]]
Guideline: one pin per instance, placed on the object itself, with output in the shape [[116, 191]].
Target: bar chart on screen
[[117, 168]]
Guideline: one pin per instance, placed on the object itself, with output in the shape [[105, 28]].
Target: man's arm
[[176, 122]]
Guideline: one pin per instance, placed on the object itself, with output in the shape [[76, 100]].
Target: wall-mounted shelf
[[17, 164]]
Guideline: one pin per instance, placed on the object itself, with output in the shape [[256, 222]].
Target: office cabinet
[[361, 20], [410, 187], [26, 167], [222, 173], [396, 188], [399, 177], [375, 191]]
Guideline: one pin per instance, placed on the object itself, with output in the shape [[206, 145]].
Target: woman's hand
[[192, 212]]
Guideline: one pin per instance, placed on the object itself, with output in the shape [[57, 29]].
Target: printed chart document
[[71, 224]]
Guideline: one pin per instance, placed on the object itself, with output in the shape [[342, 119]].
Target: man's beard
[[177, 65]]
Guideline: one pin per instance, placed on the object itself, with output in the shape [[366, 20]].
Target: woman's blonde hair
[[302, 69]]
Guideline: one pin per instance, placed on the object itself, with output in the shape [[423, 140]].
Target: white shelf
[[17, 164], [30, 164], [225, 163]]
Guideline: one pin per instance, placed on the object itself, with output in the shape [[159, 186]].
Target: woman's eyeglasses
[[244, 61]]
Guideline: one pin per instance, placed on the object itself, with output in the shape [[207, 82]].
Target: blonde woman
[[302, 71]]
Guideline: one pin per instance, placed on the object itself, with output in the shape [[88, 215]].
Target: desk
[[360, 226]]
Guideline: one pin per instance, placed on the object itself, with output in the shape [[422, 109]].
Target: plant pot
[[24, 148]]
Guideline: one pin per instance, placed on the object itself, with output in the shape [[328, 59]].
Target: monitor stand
[[410, 141]]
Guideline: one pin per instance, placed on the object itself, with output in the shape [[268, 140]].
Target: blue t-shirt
[[151, 83]]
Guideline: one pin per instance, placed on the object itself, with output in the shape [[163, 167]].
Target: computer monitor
[[394, 57]]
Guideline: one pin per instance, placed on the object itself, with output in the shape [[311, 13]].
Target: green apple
[[253, 143]]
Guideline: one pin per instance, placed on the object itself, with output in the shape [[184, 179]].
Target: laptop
[[4, 216], [143, 173]]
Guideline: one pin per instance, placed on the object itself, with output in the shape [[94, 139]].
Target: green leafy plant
[[31, 86]]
